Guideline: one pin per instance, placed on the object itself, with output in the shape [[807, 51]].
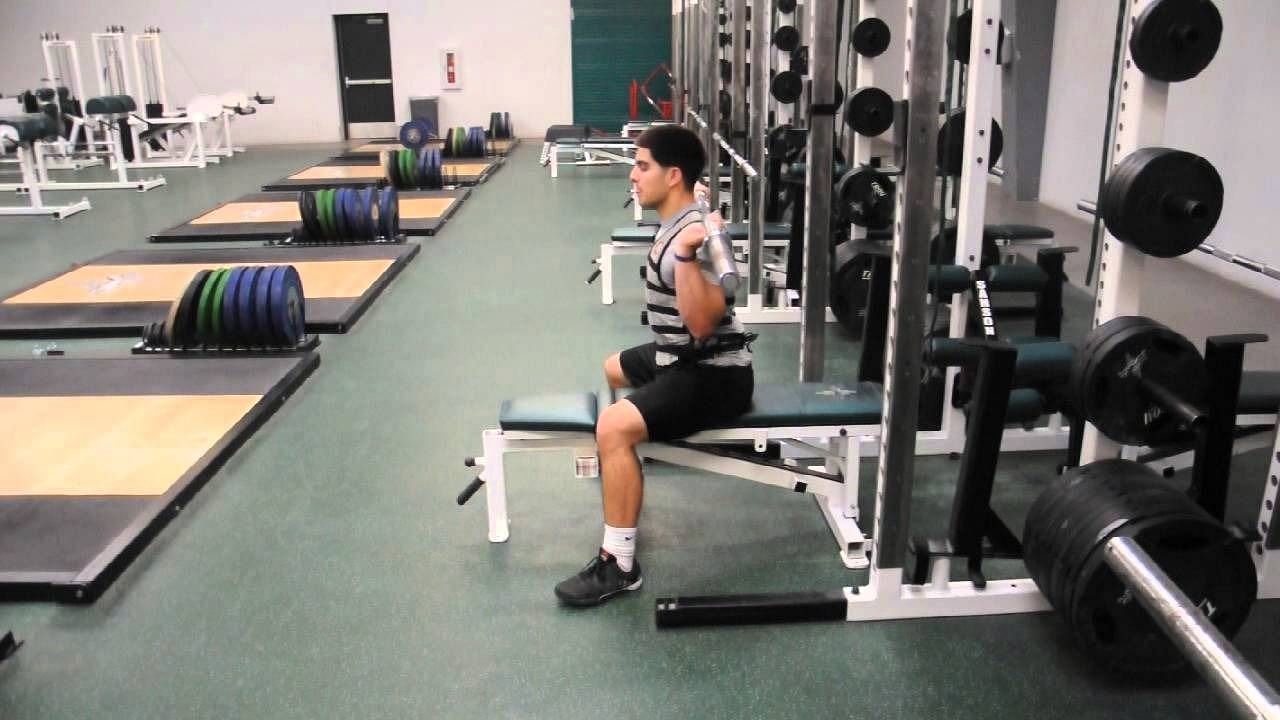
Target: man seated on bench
[[695, 373]]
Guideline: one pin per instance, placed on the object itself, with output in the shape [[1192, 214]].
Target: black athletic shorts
[[679, 400]]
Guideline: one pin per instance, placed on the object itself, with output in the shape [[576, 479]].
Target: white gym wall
[[1224, 115], [515, 56]]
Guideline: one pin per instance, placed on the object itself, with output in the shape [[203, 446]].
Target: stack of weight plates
[[413, 169], [349, 215], [246, 306]]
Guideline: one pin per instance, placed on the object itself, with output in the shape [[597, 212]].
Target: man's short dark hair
[[675, 146]]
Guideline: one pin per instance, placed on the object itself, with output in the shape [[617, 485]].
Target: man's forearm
[[701, 304]]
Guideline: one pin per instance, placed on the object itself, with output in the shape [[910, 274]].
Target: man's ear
[[675, 176]]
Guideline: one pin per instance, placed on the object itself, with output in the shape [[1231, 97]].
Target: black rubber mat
[[210, 232], [70, 548], [285, 183], [127, 319]]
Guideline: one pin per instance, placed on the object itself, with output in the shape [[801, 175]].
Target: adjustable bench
[[638, 239], [836, 423]]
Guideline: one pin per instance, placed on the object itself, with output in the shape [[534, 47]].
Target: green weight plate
[[322, 218], [219, 295], [406, 170], [326, 207], [204, 307]]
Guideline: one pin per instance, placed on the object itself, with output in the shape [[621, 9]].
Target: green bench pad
[[1259, 392], [1040, 360], [792, 405]]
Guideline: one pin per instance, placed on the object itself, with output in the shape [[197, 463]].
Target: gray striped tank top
[[669, 330]]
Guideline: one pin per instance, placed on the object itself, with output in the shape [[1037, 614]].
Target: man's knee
[[613, 371], [620, 427]]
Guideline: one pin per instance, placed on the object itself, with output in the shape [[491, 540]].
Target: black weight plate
[[786, 7], [871, 37], [847, 294], [786, 86], [495, 122], [1163, 202], [393, 162], [184, 326], [1109, 388], [1067, 527], [1173, 40], [786, 38], [961, 34], [1068, 519], [865, 197], [507, 132], [951, 144], [306, 211], [1118, 183], [869, 111]]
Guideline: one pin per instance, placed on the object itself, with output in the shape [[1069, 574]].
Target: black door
[[364, 75]]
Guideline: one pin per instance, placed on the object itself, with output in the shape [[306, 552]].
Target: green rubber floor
[[326, 572]]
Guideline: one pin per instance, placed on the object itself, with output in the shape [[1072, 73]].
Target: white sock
[[620, 543]]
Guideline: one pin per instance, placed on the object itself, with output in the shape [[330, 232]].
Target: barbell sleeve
[[720, 251], [1210, 653], [1189, 413]]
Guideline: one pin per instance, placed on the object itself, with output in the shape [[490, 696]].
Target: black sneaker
[[600, 580]]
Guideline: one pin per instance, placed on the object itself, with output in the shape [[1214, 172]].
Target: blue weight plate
[[286, 305], [357, 217], [246, 326], [389, 212], [348, 215], [375, 214], [433, 168], [362, 209], [230, 328], [414, 134], [340, 214], [262, 307], [392, 219], [424, 166], [351, 209]]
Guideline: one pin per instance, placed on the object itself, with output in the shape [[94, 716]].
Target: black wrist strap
[[681, 258]]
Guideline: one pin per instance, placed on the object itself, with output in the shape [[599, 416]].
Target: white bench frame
[[839, 447]]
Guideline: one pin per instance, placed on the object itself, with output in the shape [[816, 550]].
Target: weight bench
[[602, 150], [637, 241], [838, 424]]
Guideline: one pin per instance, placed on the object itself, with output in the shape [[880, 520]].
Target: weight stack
[[1072, 520]]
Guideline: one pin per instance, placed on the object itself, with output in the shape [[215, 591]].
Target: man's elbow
[[702, 328]]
